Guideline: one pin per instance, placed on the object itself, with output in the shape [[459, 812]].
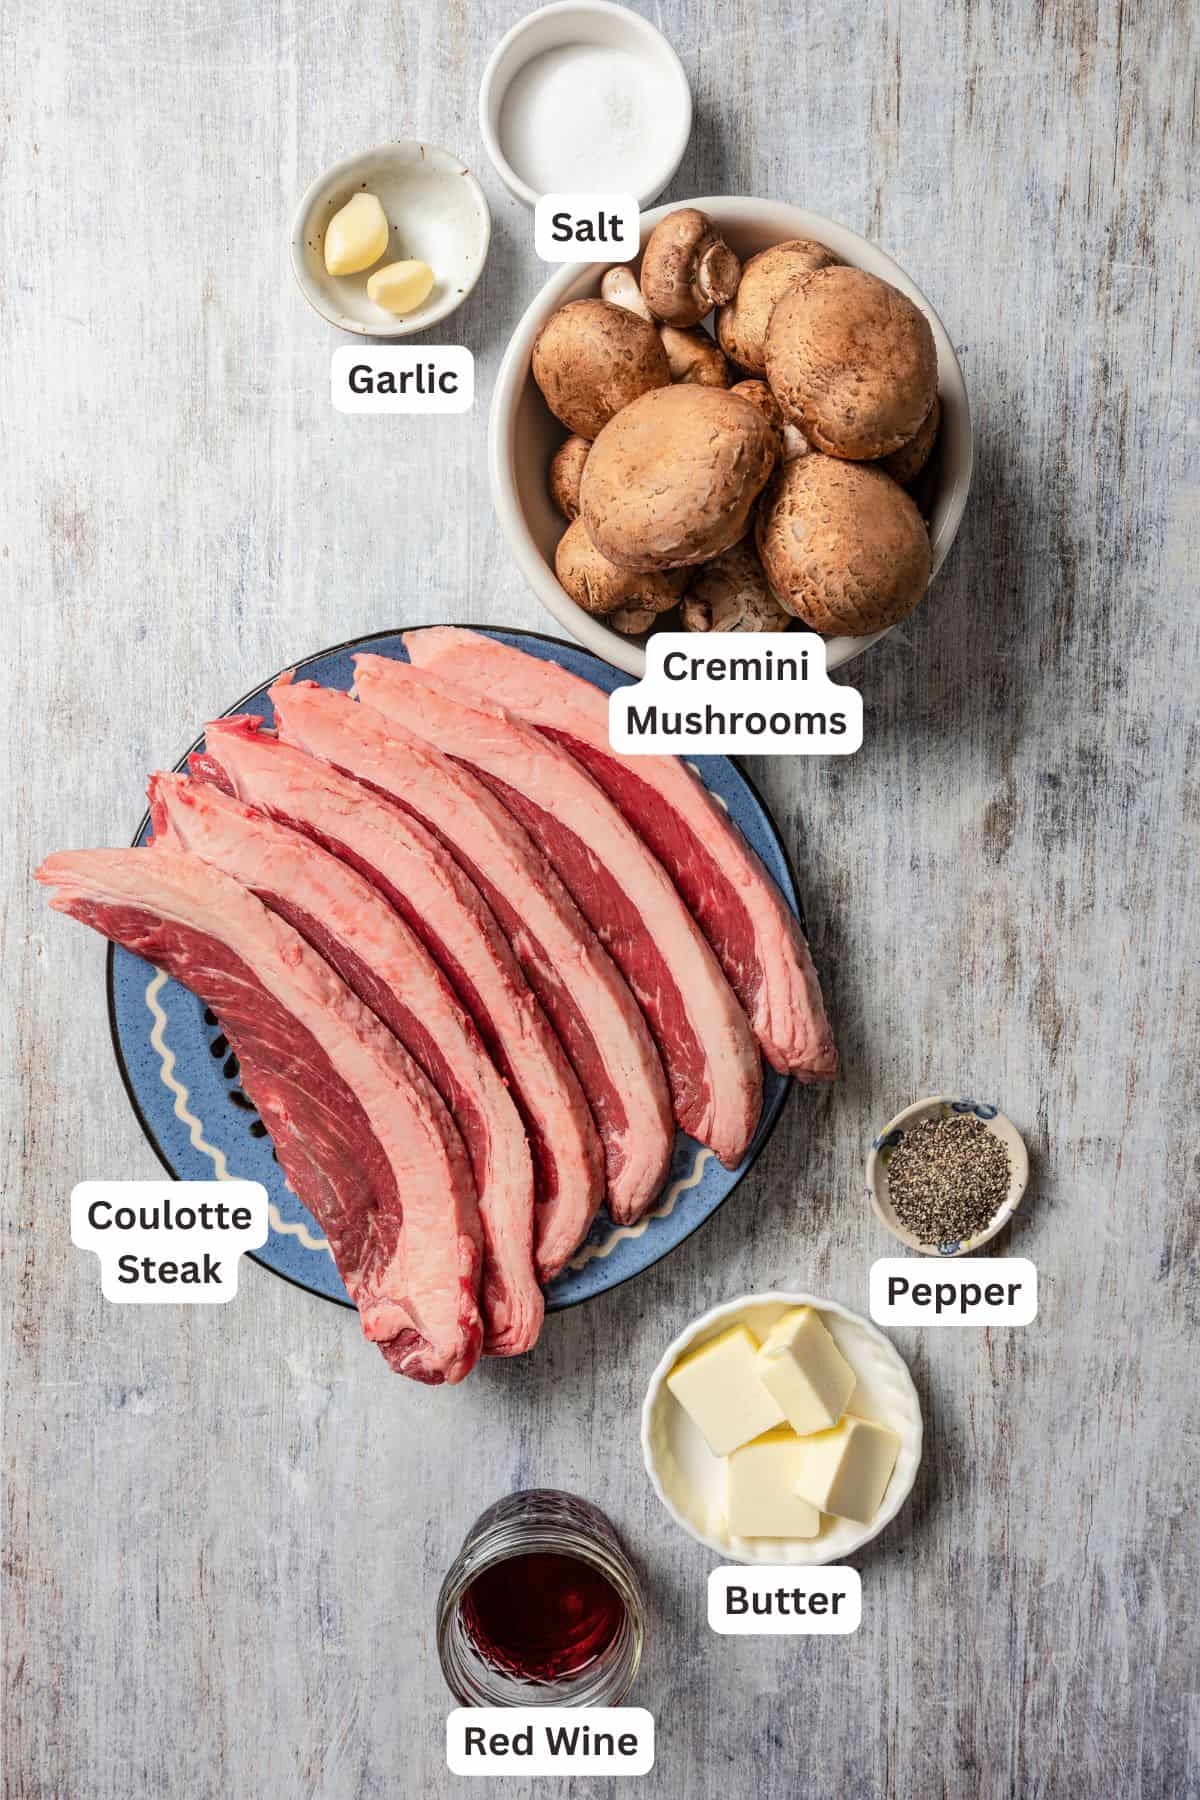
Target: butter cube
[[400, 287], [800, 1364], [760, 1492], [846, 1471], [719, 1391], [357, 236]]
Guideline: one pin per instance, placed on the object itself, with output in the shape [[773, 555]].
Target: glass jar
[[541, 1607]]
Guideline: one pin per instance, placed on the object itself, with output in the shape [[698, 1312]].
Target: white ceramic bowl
[[523, 434], [690, 1480], [943, 1106], [587, 22], [437, 213]]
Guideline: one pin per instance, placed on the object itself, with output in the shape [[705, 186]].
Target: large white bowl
[[523, 434], [690, 1480]]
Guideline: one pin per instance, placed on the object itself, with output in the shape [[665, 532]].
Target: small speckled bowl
[[690, 1480], [941, 1106], [437, 213]]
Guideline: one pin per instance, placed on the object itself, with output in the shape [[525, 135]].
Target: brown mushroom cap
[[742, 324], [632, 621], [600, 587], [851, 361], [792, 441], [566, 472], [671, 480], [843, 546], [591, 359], [687, 268], [906, 463], [731, 593]]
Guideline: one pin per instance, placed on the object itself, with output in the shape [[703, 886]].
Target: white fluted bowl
[[690, 1480]]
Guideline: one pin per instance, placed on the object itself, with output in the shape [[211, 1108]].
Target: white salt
[[587, 118]]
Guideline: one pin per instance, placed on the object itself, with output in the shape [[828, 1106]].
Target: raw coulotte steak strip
[[361, 1136], [417, 876], [585, 996], [737, 905], [377, 955], [621, 889]]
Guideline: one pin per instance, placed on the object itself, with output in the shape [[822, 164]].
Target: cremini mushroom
[[731, 593], [691, 355], [694, 356], [843, 546], [632, 621], [742, 324], [687, 268], [851, 361], [590, 359], [566, 471], [671, 480], [792, 440], [600, 587], [906, 463]]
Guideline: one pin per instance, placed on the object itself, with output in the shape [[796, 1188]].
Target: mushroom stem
[[691, 355], [619, 287], [694, 356], [687, 268], [718, 273]]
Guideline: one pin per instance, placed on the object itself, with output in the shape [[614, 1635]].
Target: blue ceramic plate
[[183, 1079]]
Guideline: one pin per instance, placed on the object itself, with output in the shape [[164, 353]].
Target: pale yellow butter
[[845, 1471], [800, 1364], [357, 236], [400, 287], [717, 1387], [760, 1489]]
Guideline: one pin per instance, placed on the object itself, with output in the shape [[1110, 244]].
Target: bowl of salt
[[584, 96]]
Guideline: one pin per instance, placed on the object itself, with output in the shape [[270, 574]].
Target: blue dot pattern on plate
[[183, 1079]]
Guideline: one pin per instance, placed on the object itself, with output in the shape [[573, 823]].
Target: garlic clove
[[400, 287], [357, 236]]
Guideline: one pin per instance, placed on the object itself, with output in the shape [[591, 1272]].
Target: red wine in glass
[[542, 1616]]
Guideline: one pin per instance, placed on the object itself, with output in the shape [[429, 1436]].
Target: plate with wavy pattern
[[182, 1076]]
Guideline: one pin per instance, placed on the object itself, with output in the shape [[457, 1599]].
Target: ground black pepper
[[947, 1178]]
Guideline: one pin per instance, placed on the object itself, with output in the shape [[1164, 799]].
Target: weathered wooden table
[[226, 1527]]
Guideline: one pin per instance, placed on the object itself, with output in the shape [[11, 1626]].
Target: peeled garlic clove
[[357, 236], [401, 286]]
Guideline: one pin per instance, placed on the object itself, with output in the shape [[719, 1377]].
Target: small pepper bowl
[[942, 1106]]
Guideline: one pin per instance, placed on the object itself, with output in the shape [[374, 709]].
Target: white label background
[[398, 359], [772, 699], [619, 1720], [833, 1578], [226, 1245], [590, 207], [952, 1278]]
